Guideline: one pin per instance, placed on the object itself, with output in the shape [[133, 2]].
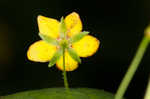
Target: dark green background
[[118, 24]]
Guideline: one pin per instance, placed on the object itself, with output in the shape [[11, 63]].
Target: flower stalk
[[64, 72], [132, 68]]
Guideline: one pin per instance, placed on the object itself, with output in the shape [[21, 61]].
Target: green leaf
[[74, 55], [48, 39], [55, 57], [62, 28], [78, 36], [60, 93]]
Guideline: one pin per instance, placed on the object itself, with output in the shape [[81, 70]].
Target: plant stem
[[132, 68], [147, 94], [64, 72]]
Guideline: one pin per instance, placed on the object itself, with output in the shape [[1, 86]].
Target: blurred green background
[[118, 24]]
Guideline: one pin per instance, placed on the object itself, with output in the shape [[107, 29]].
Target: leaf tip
[[62, 19], [79, 61], [50, 65]]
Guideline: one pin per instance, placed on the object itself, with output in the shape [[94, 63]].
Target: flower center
[[64, 43]]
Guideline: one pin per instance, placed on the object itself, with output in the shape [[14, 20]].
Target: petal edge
[[87, 46], [73, 24], [40, 51], [48, 26]]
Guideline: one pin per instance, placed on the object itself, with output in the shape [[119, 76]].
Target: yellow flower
[[42, 51]]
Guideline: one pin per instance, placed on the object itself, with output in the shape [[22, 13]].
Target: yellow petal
[[70, 64], [48, 26], [87, 46], [41, 51], [73, 24]]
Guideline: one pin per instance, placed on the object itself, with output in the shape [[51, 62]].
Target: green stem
[[147, 94], [132, 68], [64, 72]]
